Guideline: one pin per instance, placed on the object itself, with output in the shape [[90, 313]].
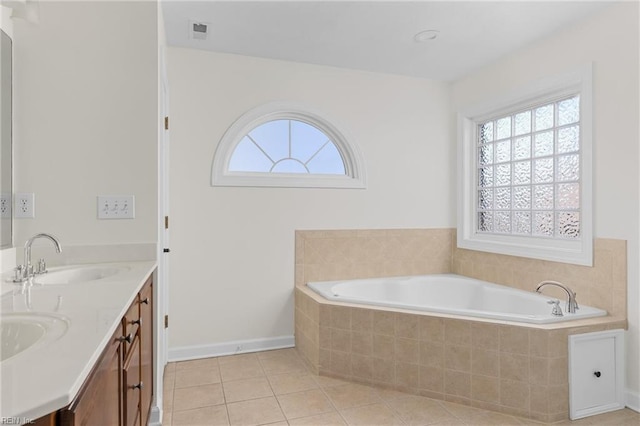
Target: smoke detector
[[198, 30]]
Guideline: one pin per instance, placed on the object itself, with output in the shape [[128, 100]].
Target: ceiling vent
[[198, 30]]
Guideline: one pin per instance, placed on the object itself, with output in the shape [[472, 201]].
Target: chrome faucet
[[27, 270], [572, 304]]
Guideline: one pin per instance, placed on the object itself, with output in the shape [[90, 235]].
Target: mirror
[[6, 160]]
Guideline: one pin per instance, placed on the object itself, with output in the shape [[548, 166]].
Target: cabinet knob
[[128, 338], [138, 386], [597, 373], [138, 321], [145, 301]]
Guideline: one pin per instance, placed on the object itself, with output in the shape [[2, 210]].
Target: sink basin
[[22, 331], [78, 274]]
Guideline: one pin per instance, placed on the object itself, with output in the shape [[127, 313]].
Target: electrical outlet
[[116, 207], [5, 205], [25, 205]]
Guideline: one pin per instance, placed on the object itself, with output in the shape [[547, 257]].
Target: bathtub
[[451, 294]]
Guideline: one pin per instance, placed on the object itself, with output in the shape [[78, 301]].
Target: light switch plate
[[116, 207]]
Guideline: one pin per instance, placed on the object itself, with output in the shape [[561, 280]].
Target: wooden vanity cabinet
[[119, 390]]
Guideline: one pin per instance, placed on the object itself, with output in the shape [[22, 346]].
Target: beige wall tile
[[384, 323], [514, 340], [538, 343], [407, 326], [384, 347], [341, 363], [457, 383], [362, 320], [362, 343], [340, 340], [559, 400], [485, 362], [457, 332], [514, 394], [384, 371], [432, 354], [458, 357], [486, 389], [341, 317], [514, 367], [431, 379], [408, 375], [539, 371], [539, 399], [362, 367], [485, 336], [407, 350], [558, 371], [431, 329]]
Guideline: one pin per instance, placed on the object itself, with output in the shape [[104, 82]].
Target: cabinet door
[[99, 400], [146, 349], [132, 385]]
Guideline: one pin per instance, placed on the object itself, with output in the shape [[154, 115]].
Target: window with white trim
[[286, 145], [525, 176]]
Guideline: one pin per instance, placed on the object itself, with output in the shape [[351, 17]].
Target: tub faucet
[[572, 305], [27, 270]]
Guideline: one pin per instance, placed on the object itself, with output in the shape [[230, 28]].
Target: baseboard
[[632, 400], [230, 348], [154, 417]]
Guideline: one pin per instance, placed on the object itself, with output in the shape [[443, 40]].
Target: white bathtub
[[451, 294]]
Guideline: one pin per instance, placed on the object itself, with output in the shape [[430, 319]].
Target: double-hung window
[[525, 172]]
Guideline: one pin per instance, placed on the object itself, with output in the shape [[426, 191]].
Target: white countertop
[[41, 380]]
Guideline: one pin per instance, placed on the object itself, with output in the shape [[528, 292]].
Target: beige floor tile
[[292, 382], [241, 368], [490, 418], [283, 363], [255, 412], [416, 410], [463, 412], [390, 394], [282, 423], [242, 390], [208, 416], [197, 397], [196, 377], [167, 399], [304, 404], [278, 352], [620, 417], [328, 419], [204, 363], [371, 415], [352, 395], [327, 382], [167, 418], [234, 358]]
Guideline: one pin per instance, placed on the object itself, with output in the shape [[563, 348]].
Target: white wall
[[611, 41], [232, 248], [86, 118]]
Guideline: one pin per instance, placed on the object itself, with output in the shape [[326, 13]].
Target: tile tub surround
[[510, 368], [350, 254]]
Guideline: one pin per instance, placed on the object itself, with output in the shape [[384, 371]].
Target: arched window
[[286, 145]]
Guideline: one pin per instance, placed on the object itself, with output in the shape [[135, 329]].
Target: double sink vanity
[[77, 344]]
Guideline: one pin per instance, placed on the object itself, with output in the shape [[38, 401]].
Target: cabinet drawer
[[131, 324], [132, 381]]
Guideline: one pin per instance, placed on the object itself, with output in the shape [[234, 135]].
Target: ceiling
[[374, 36]]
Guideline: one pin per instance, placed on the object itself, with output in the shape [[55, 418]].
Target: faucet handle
[[42, 267], [556, 310], [19, 274]]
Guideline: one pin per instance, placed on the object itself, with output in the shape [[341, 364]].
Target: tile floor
[[276, 388]]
